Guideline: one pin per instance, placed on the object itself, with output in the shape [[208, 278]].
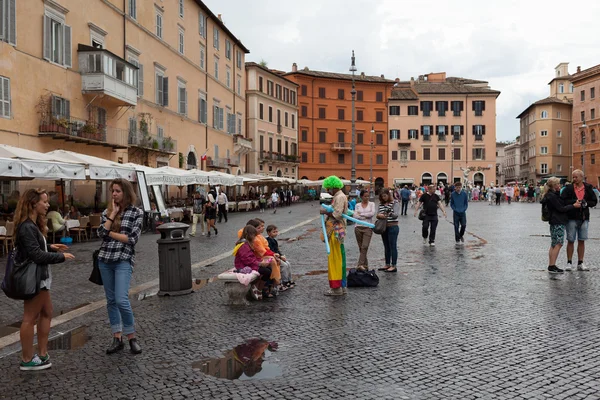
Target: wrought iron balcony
[[152, 142], [82, 131], [272, 156], [104, 73], [427, 138], [218, 162]]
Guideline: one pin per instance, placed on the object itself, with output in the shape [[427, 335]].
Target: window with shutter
[[322, 113], [322, 158], [379, 159], [322, 137], [379, 96], [359, 115], [4, 97], [216, 38], [379, 116], [8, 21], [202, 56], [133, 9], [340, 94], [165, 102], [441, 154], [394, 134], [57, 39], [394, 155], [159, 88], [359, 138], [285, 119], [413, 110], [394, 110], [379, 139], [341, 114], [159, 21], [322, 93], [457, 154], [304, 111], [413, 155], [426, 154], [202, 25], [359, 95]]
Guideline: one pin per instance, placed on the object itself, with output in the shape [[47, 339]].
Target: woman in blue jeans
[[120, 230], [388, 210]]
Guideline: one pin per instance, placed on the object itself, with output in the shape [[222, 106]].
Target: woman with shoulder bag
[[120, 230], [31, 246], [388, 210], [364, 211], [558, 220]]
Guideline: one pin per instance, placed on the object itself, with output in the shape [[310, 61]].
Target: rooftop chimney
[[362, 74], [579, 68], [382, 76], [412, 81], [219, 16], [294, 67]]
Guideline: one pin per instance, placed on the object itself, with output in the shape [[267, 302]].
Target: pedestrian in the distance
[[210, 214], [510, 192], [365, 211], [30, 242], [577, 226], [498, 194], [198, 209], [430, 203], [222, 202], [120, 230], [558, 220], [274, 200], [459, 202], [405, 197], [388, 210]]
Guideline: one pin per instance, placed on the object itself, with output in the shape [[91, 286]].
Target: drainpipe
[[206, 125], [312, 93]]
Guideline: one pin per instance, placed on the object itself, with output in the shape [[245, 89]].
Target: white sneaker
[[432, 244], [569, 267], [582, 267], [424, 240]]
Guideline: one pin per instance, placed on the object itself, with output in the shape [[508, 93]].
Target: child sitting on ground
[[245, 257], [286, 268]]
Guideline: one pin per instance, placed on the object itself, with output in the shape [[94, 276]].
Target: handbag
[[422, 215], [95, 276], [380, 226], [358, 278], [21, 280]]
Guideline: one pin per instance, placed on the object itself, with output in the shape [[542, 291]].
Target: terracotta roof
[[560, 78], [270, 71], [585, 73], [547, 100], [464, 80], [403, 94], [346, 77], [221, 25], [451, 87]]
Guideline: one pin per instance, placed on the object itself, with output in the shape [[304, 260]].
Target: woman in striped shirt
[[388, 210]]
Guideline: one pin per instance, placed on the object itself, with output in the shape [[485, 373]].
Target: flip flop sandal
[[255, 293]]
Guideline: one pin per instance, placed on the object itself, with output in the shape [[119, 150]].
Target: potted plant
[[63, 124], [43, 109], [155, 144], [181, 160], [89, 130], [168, 143]]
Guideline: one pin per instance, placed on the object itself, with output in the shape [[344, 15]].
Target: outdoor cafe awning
[[99, 168], [18, 163]]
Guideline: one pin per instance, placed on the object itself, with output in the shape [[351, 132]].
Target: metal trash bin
[[174, 260]]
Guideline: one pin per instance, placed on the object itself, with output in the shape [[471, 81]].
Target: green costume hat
[[333, 182]]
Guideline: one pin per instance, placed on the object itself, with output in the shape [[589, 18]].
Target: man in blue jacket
[[459, 202], [405, 195]]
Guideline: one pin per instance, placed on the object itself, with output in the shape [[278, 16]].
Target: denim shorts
[[577, 230]]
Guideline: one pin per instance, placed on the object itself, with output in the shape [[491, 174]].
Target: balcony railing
[[456, 138], [241, 145], [441, 138], [79, 130], [341, 146], [427, 138], [272, 156], [156, 143], [279, 128], [219, 162], [105, 73], [479, 138]]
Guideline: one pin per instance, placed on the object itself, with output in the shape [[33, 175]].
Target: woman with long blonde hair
[[31, 246], [558, 219], [119, 230]]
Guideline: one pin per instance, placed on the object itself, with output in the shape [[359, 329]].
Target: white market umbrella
[[99, 168], [31, 164]]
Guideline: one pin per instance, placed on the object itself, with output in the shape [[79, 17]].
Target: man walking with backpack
[[459, 202], [577, 226]]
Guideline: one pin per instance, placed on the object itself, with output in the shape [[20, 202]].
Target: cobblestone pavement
[[484, 321]]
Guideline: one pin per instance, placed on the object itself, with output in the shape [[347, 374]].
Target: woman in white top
[[364, 211], [413, 197]]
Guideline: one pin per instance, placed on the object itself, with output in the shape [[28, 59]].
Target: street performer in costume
[[336, 231]]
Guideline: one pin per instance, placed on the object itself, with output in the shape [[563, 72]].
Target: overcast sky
[[514, 45]]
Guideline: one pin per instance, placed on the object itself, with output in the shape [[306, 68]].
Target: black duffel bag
[[358, 278]]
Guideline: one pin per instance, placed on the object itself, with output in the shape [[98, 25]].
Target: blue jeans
[[459, 219], [390, 244], [116, 277]]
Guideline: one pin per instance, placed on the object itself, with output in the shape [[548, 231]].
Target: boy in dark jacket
[[286, 268], [577, 225]]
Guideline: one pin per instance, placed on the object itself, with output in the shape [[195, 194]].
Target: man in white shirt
[[274, 200], [222, 203]]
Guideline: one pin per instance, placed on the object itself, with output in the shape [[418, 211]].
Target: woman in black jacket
[[30, 242], [558, 220]]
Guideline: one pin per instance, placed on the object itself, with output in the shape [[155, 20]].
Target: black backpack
[[545, 211]]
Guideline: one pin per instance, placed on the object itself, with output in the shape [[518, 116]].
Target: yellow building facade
[[154, 83]]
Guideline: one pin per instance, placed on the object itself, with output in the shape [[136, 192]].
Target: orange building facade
[[325, 124], [586, 109]]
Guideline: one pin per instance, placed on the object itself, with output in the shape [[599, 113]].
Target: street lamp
[[371, 191], [353, 170], [583, 127]]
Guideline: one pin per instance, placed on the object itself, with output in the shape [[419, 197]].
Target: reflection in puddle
[[248, 361], [70, 340]]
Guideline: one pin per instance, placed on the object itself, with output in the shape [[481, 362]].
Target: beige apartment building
[[512, 162], [155, 83], [586, 106], [442, 129], [545, 132], [272, 127], [500, 161]]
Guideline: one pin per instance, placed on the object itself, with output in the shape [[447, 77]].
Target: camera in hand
[[583, 203]]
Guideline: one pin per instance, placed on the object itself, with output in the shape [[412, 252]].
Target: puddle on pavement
[[247, 361], [318, 272], [70, 340], [308, 233]]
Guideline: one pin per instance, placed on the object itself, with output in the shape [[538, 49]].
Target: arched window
[[191, 161], [442, 177], [426, 179], [478, 179]]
